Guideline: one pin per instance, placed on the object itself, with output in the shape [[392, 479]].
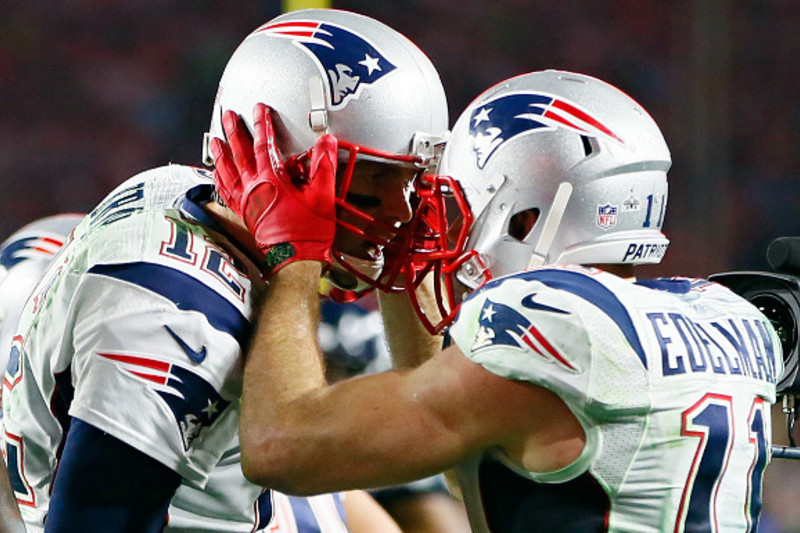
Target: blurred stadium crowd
[[97, 90]]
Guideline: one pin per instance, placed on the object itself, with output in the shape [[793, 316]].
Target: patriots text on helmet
[[639, 251]]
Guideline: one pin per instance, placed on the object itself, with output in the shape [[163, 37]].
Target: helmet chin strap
[[318, 114], [551, 224], [343, 279], [473, 272]]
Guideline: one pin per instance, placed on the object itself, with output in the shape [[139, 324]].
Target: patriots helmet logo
[[36, 246], [500, 120], [194, 402], [350, 63], [501, 325]]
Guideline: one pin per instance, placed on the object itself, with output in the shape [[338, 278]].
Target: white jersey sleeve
[[525, 328], [135, 329], [670, 379], [151, 374]]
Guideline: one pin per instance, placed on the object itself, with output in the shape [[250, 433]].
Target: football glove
[[291, 215]]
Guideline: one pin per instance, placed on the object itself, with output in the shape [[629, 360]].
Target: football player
[[573, 397], [24, 255], [121, 406]]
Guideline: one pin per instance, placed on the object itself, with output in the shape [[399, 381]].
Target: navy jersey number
[[710, 420], [180, 247]]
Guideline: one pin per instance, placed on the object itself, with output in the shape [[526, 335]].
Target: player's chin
[[354, 273], [359, 248]]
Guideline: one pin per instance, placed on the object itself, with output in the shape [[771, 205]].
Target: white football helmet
[[574, 154], [24, 256], [332, 71]]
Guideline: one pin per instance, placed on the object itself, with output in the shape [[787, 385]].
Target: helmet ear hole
[[521, 224], [588, 145]]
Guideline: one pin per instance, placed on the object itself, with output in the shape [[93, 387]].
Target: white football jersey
[[671, 379], [24, 256], [136, 329]]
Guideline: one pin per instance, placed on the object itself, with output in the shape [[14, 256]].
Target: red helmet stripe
[[293, 28], [561, 104]]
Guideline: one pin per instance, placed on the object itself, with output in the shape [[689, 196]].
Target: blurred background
[[95, 91]]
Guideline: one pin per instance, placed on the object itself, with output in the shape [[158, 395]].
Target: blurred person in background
[[24, 256], [352, 339], [123, 404]]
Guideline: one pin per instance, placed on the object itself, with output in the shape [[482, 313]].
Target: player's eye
[[363, 201]]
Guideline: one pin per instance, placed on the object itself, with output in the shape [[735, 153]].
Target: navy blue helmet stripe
[[186, 292]]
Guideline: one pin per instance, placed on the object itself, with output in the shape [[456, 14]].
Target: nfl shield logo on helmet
[[348, 61], [606, 216]]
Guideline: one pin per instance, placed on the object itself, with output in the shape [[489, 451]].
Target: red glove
[[290, 219]]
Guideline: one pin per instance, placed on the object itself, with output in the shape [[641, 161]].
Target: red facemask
[[426, 245]]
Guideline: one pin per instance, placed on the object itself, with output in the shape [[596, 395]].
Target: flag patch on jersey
[[501, 325], [193, 401], [13, 373]]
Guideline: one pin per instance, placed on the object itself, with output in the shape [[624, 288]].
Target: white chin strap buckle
[[428, 148], [551, 225], [318, 115], [472, 273]]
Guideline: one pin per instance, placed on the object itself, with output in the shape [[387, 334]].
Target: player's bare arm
[[431, 423], [410, 343], [366, 515], [10, 519]]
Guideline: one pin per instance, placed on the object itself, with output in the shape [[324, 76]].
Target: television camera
[[777, 295]]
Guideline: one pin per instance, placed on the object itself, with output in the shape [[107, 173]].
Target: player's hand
[[290, 219]]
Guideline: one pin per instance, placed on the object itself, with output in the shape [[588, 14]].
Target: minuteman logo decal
[[500, 120], [193, 400], [348, 61], [501, 325]]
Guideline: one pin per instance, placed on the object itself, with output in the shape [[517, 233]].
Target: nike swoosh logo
[[196, 356], [530, 304]]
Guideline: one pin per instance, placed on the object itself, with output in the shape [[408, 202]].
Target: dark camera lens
[[783, 320]]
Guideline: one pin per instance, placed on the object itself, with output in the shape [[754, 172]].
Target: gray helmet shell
[[337, 72], [24, 256], [584, 154]]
